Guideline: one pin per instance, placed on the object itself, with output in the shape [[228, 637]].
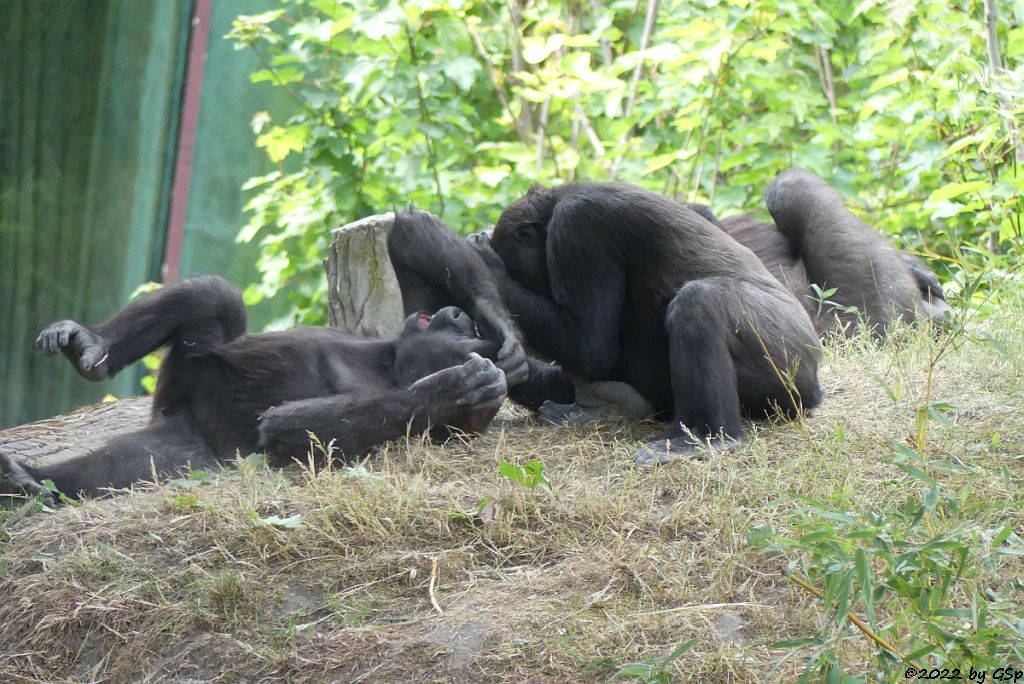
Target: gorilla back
[[617, 283], [816, 240], [221, 391]]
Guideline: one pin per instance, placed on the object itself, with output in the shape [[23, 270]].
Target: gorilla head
[[520, 239], [449, 335]]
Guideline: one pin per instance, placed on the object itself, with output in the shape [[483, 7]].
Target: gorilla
[[221, 391], [619, 284], [649, 309], [816, 240]]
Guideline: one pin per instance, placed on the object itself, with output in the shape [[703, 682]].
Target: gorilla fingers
[[87, 351]]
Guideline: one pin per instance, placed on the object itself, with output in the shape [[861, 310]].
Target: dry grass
[[381, 582]]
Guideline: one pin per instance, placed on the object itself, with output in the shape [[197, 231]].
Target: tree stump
[[362, 290]]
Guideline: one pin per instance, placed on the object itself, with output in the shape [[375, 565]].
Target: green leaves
[[279, 142], [290, 523], [529, 475], [459, 107], [655, 670], [955, 190], [909, 564], [463, 70]]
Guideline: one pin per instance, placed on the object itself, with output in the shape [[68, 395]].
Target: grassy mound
[[428, 563]]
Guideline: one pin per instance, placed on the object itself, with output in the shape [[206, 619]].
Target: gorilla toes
[[15, 474], [512, 360], [56, 336], [663, 451], [564, 414], [475, 383], [483, 383], [597, 401], [86, 350]]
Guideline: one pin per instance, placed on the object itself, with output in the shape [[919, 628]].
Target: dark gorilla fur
[[618, 283], [816, 240], [624, 288], [435, 268], [221, 391], [639, 299]]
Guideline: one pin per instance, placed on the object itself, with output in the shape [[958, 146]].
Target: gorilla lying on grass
[[815, 240], [222, 391]]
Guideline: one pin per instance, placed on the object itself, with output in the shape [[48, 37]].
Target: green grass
[[396, 572]]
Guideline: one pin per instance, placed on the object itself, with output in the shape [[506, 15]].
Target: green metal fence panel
[[226, 156], [88, 108]]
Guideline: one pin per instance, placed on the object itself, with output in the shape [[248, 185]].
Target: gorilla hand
[[465, 396], [481, 244], [86, 350]]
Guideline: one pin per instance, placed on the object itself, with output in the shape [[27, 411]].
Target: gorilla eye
[[526, 233]]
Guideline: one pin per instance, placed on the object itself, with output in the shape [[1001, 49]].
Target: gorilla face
[[520, 239], [429, 343]]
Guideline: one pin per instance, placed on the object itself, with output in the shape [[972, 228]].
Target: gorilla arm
[[464, 397], [435, 268], [578, 323]]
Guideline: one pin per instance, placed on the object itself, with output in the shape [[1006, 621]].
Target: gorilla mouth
[[423, 320]]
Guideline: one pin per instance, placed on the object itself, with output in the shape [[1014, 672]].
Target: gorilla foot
[[15, 474], [663, 451], [565, 414], [606, 400]]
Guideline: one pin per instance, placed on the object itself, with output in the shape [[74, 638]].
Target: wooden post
[[362, 290]]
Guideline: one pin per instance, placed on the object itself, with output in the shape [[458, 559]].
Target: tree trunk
[[362, 290], [53, 440]]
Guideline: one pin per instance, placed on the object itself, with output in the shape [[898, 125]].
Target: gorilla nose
[[452, 318], [451, 313]]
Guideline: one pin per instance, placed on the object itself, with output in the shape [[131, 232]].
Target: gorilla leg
[[704, 383], [464, 397], [735, 345], [841, 251], [195, 315], [597, 401], [163, 448]]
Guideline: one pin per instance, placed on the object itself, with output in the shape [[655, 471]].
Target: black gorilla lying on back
[[816, 240], [221, 391]]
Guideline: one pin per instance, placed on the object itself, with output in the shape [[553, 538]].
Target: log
[[362, 289], [52, 440]]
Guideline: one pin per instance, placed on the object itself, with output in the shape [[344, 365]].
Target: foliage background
[[459, 106]]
